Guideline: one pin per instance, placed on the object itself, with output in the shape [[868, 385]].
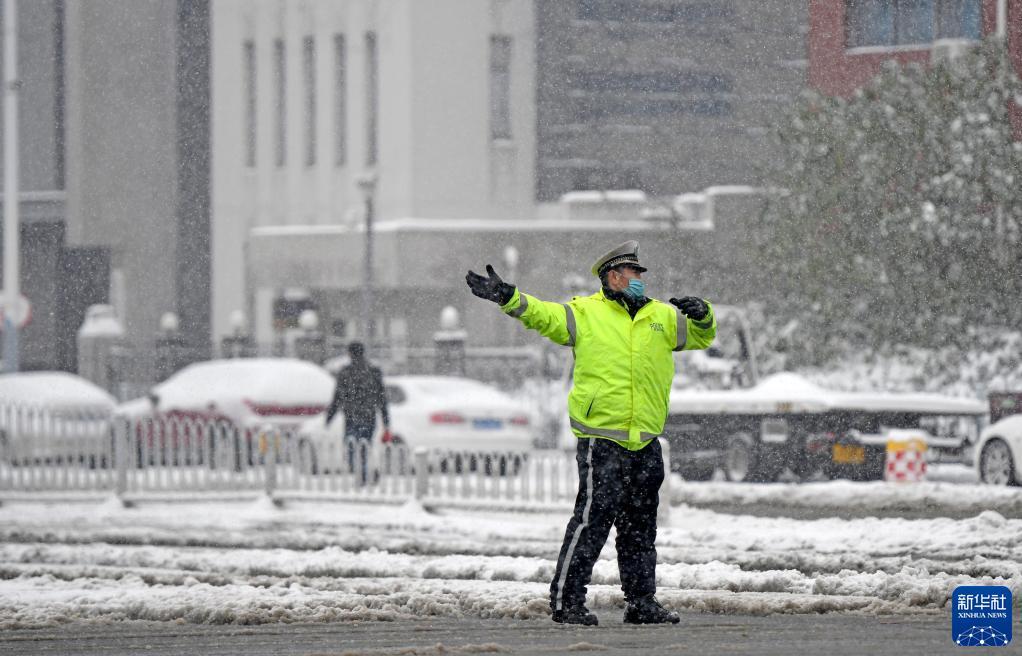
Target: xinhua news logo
[[981, 616]]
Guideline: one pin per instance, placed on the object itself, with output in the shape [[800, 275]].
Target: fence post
[[421, 473], [120, 456], [272, 440], [663, 514]]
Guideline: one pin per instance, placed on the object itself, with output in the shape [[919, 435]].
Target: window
[[602, 178], [645, 11], [650, 81], [959, 18], [904, 22], [609, 94], [372, 98], [250, 102], [309, 81], [500, 87], [280, 76], [340, 101]]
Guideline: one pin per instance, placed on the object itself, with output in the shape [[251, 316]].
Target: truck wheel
[[697, 472], [743, 461], [739, 459], [996, 466]]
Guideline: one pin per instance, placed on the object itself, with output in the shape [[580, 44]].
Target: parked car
[[224, 405], [999, 452], [464, 418], [54, 416]]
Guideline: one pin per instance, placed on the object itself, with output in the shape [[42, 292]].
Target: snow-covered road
[[255, 563]]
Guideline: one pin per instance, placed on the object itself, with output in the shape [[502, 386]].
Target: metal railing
[[77, 451]]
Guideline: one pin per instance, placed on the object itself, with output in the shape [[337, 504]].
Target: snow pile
[[258, 563], [53, 389], [873, 496]]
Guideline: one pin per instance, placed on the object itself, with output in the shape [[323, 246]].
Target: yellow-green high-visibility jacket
[[623, 366]]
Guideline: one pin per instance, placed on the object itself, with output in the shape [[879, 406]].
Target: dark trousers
[[616, 487], [358, 439]]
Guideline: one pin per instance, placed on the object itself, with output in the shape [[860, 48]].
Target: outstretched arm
[[552, 320]]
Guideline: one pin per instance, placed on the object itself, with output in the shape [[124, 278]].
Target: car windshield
[[723, 366], [964, 427], [395, 395]]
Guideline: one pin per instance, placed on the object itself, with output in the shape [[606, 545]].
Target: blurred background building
[[221, 160], [850, 40], [114, 168]]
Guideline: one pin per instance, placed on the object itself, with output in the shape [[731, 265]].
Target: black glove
[[492, 288], [692, 307]]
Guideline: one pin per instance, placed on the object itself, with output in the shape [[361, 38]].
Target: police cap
[[626, 253]]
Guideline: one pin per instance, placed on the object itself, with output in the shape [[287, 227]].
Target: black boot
[[575, 615], [647, 610]]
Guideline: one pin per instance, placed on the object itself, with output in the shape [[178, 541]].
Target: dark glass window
[[280, 77], [648, 11], [906, 22], [596, 178], [395, 395], [959, 18], [340, 101], [500, 87], [249, 55], [913, 21], [650, 82], [309, 82]]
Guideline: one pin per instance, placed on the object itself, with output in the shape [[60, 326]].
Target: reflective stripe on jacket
[[623, 366]]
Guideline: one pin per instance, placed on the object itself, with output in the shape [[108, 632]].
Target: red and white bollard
[[906, 457]]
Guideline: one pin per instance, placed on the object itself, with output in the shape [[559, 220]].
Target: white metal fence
[[76, 450]]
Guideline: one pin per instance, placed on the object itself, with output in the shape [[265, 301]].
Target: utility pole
[[12, 231], [367, 185]]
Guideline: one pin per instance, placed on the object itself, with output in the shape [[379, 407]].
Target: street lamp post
[[367, 185], [12, 230]]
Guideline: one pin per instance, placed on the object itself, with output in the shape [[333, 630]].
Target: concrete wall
[[413, 284], [122, 163]]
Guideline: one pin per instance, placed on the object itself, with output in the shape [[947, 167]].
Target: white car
[[459, 416], [237, 396], [999, 452], [248, 392], [54, 416]]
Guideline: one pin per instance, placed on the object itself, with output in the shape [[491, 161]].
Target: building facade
[[663, 97], [114, 171], [432, 102], [466, 113], [850, 40]]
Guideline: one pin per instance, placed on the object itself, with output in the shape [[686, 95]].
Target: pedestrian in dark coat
[[358, 395]]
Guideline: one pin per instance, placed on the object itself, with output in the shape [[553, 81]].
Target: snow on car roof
[[791, 393], [283, 381], [53, 388]]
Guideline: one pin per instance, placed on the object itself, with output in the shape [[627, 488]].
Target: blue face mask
[[636, 289]]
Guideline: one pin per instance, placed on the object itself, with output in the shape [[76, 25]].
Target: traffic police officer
[[623, 343]]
